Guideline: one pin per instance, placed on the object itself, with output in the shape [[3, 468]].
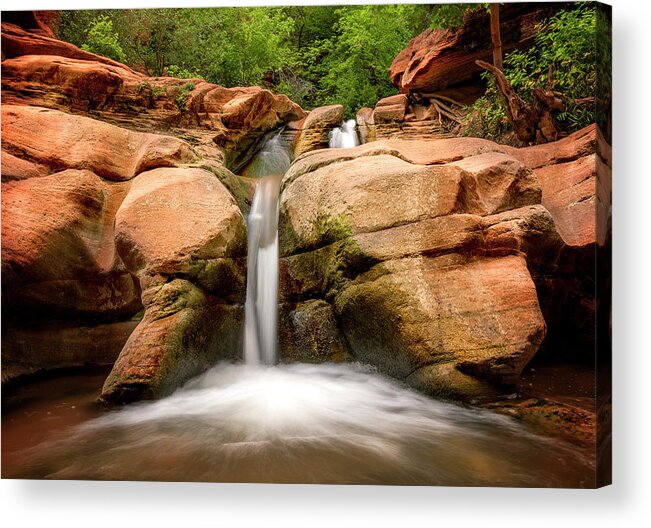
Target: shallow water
[[301, 423]]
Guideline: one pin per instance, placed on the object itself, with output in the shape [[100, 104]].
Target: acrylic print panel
[[308, 244]]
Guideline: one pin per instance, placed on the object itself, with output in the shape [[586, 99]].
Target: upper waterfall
[[344, 136]]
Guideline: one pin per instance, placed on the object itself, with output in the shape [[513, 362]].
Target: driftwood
[[443, 106], [442, 98], [531, 123]]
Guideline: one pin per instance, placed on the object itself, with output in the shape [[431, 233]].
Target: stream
[[260, 421]]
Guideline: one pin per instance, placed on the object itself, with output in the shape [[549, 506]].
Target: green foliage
[[233, 46], [567, 43], [180, 73], [450, 16], [487, 117], [101, 39], [604, 70], [151, 92], [353, 64], [182, 95], [315, 54]]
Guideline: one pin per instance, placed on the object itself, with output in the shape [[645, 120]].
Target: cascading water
[[344, 136], [295, 423], [261, 308]]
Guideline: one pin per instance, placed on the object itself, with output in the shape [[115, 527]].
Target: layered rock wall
[[122, 225]]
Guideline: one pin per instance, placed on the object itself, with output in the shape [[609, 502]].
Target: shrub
[[181, 73], [182, 95], [102, 40]]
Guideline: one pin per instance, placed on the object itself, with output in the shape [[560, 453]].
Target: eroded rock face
[[437, 59], [184, 331], [102, 217], [308, 332], [577, 199], [316, 127], [51, 138], [58, 254], [423, 249], [222, 123]]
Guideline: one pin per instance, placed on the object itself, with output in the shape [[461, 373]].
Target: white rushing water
[[344, 136], [261, 308], [261, 422], [308, 423]]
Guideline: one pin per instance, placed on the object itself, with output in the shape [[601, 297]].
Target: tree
[[353, 64], [496, 38], [102, 40], [549, 88]]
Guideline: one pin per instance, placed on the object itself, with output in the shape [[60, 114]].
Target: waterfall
[[344, 136], [261, 308]]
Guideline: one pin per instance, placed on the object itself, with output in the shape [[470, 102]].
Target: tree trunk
[[496, 37], [531, 124]]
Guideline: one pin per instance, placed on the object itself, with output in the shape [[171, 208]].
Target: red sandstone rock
[[17, 41], [324, 116], [569, 192], [437, 59], [566, 170], [364, 117], [27, 351], [503, 183], [426, 311], [38, 22], [390, 109], [579, 203], [57, 246], [52, 138], [14, 168], [580, 143], [179, 231], [183, 333], [423, 248], [45, 72], [176, 216], [315, 129]]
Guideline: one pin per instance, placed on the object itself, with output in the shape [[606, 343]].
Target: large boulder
[[445, 324], [315, 129], [184, 331], [182, 234], [423, 250]]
